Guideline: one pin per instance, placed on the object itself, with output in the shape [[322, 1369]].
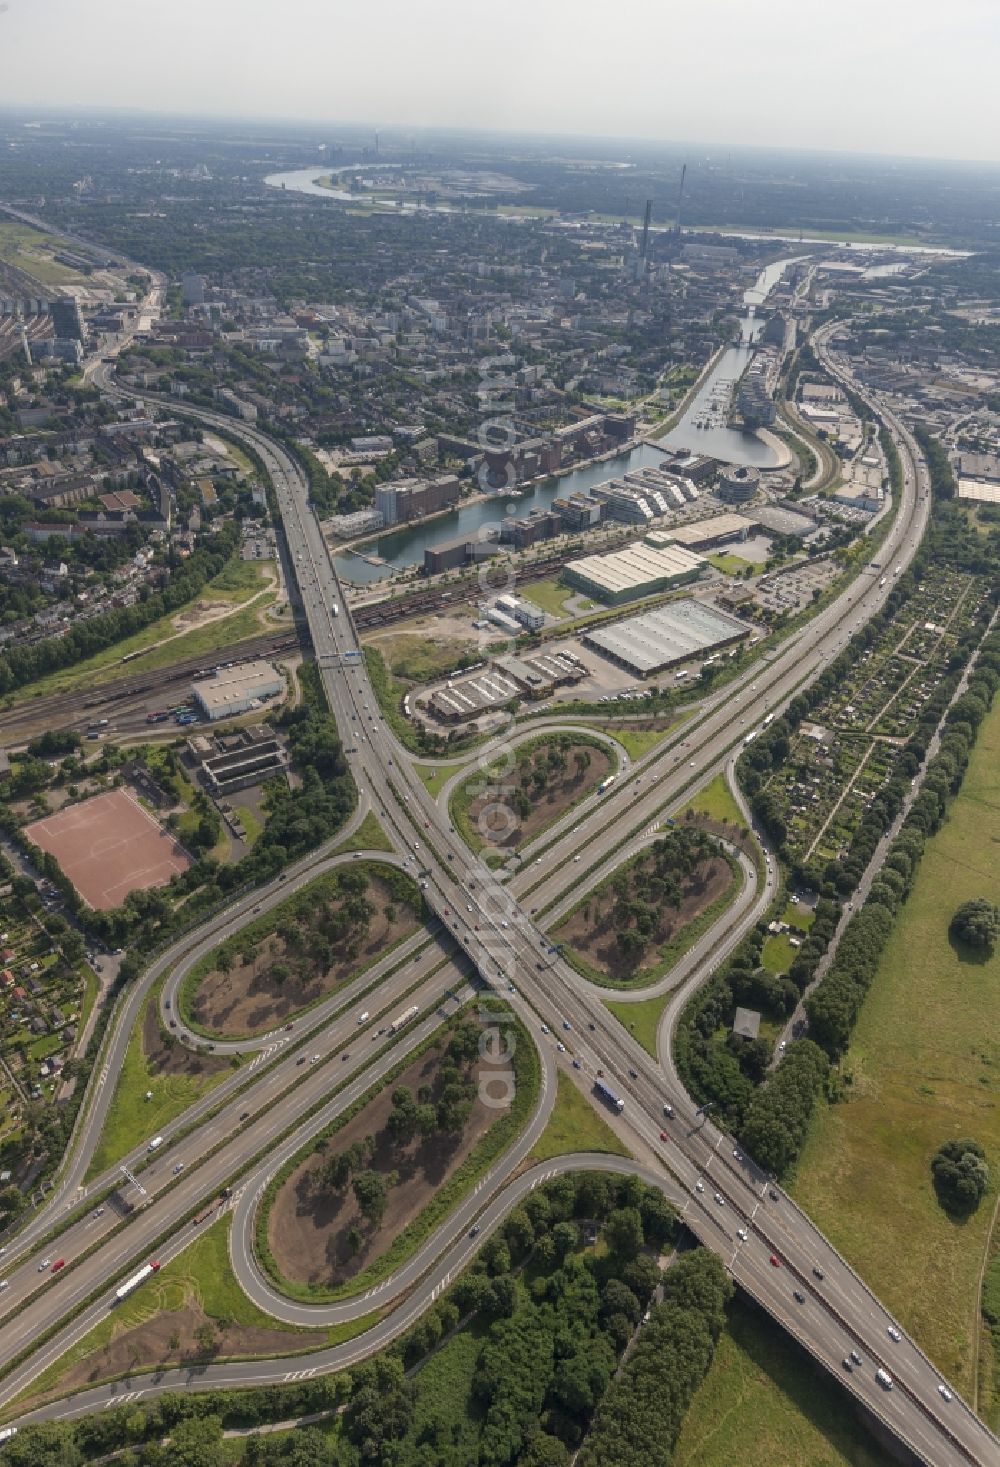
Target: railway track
[[75, 710]]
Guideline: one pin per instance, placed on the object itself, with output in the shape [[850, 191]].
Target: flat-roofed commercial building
[[638, 570], [670, 634], [978, 491], [237, 689], [704, 534]]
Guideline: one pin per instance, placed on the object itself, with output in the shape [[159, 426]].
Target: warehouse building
[[638, 570], [670, 634], [235, 690], [721, 529], [506, 678]]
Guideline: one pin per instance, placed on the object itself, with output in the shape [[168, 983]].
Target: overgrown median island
[[360, 1197], [506, 805], [191, 1313], [514, 1363], [302, 951], [633, 926]]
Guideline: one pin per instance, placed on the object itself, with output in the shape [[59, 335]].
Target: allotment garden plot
[[842, 756]]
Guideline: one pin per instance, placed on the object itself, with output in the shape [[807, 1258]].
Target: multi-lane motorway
[[722, 1194]]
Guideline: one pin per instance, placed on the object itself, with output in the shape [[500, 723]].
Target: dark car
[[799, 1297]]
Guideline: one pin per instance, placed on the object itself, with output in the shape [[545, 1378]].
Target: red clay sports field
[[109, 846]]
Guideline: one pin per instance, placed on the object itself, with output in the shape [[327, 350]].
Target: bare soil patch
[[167, 1056], [518, 807], [310, 1220], [287, 973], [592, 932], [170, 1339]]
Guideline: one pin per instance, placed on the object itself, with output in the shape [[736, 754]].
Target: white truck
[[155, 1144], [401, 1020], [145, 1272]]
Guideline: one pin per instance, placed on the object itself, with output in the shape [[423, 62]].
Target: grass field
[[575, 1125], [925, 1064], [235, 584], [716, 801], [369, 836], [32, 251], [131, 1117], [778, 954], [420, 657], [641, 1019], [435, 776], [638, 741], [763, 1405], [549, 595], [730, 565]]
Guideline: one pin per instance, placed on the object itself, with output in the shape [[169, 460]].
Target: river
[[405, 547], [398, 549], [711, 402]]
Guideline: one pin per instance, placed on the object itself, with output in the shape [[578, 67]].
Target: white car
[[45, 1263], [943, 1390], [720, 1199], [699, 1185], [894, 1333], [560, 1046], [742, 1234]]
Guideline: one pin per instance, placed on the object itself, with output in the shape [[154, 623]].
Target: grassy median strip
[[131, 1116], [575, 1125], [642, 1019], [369, 836], [500, 1136]]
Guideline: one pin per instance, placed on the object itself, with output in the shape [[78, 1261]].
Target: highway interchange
[[232, 1132]]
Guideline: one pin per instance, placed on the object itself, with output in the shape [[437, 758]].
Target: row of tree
[[547, 1317], [640, 1417], [23, 663], [834, 1005]]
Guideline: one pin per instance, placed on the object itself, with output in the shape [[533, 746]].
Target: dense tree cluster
[[549, 1321], [942, 477], [723, 1073], [779, 1113], [977, 925], [24, 662], [961, 1176], [641, 1415]]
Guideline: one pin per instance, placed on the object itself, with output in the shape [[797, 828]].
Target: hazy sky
[[885, 76]]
